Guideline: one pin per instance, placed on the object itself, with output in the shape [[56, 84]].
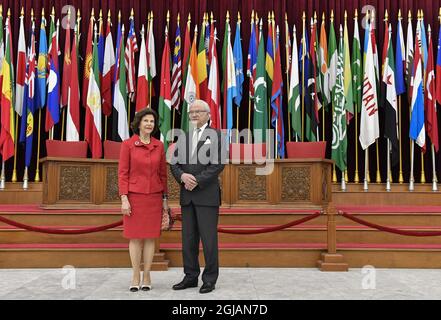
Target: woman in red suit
[[142, 179]]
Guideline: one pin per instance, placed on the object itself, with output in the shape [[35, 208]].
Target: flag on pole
[[120, 127], [252, 59], [311, 104], [357, 73], [238, 66], [92, 131], [230, 74], [142, 97], [27, 121], [260, 115], [67, 67], [347, 77], [191, 92], [151, 57], [423, 42], [213, 85], [269, 59], [73, 100], [7, 134], [339, 131], [400, 62], [429, 99], [333, 57], [108, 71], [177, 71], [42, 66], [165, 94], [409, 59], [369, 126], [438, 69], [323, 62], [101, 47], [389, 98], [88, 60], [21, 69], [202, 66], [186, 56], [416, 130], [131, 48], [276, 102], [53, 93], [294, 90]]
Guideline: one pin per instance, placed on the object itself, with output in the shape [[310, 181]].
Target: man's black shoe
[[184, 284], [207, 287]]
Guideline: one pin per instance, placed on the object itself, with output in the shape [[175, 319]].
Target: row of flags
[[322, 74]]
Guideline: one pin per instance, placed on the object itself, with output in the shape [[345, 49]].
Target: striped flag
[[191, 83], [42, 66], [252, 58], [416, 130], [438, 69], [429, 99], [202, 66], [21, 69], [238, 65], [409, 59], [142, 97], [176, 78], [165, 94], [323, 63], [151, 57], [230, 80], [73, 101], [7, 134], [213, 85], [131, 48], [88, 61], [347, 77]]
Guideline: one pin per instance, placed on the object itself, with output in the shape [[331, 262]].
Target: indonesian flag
[[108, 71], [21, 69], [142, 97], [73, 99], [92, 131], [214, 86]]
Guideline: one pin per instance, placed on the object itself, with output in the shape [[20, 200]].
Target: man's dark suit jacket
[[205, 168]]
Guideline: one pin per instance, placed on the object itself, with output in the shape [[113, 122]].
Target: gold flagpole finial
[[179, 18], [1, 9], [332, 15], [228, 16], [189, 18], [109, 15], [409, 16], [168, 16], [304, 16], [211, 17], [132, 13], [256, 18], [399, 14], [356, 14], [119, 15], [53, 12], [439, 14], [92, 15], [323, 17], [32, 14], [346, 16], [238, 18], [42, 12], [22, 11], [386, 16], [151, 16]]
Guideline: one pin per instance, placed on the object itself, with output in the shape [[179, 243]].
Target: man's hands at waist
[[189, 181]]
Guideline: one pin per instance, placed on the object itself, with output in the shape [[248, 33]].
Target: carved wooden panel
[[112, 192], [325, 184], [75, 183], [296, 184], [251, 186], [174, 189]]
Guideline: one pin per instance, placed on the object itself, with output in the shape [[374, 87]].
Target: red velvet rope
[[60, 231], [389, 229], [265, 230]]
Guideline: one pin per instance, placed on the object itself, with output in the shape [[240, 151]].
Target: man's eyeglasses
[[196, 112]]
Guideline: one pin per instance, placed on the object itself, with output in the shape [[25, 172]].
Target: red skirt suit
[[142, 176]]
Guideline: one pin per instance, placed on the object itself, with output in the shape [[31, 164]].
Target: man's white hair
[[201, 103]]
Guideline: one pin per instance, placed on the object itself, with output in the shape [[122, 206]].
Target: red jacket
[[142, 167]]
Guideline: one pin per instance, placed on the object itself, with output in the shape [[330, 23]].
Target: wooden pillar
[[331, 260]]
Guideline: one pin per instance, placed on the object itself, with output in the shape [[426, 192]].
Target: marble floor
[[233, 284]]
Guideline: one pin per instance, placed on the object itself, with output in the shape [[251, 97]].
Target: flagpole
[[303, 75], [323, 107], [334, 173], [400, 177], [269, 98], [37, 170], [237, 107], [287, 70], [14, 172], [251, 75], [366, 169], [356, 177], [388, 180], [378, 180], [2, 177], [150, 17], [411, 179], [174, 109], [423, 175]]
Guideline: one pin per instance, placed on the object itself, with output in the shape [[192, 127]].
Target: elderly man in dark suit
[[196, 165]]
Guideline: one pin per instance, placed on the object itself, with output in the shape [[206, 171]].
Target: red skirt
[[145, 219]]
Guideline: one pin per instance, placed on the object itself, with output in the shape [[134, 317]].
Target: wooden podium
[[289, 183]]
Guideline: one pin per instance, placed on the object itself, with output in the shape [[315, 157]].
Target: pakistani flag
[[339, 142], [357, 73], [294, 91], [260, 118], [332, 60]]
